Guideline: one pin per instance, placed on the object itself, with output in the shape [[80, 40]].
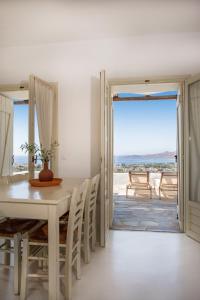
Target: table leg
[[53, 247]]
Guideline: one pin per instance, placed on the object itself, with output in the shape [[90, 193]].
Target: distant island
[[153, 162], [166, 154]]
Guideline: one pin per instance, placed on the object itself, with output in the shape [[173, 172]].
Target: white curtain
[[44, 98], [6, 135], [194, 144]]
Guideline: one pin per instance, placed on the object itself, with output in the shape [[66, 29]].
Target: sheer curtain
[[194, 146], [6, 135], [44, 98]]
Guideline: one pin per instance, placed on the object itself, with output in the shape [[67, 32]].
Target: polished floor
[[134, 266]]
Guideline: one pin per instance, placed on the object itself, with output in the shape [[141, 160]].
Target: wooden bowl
[[38, 183]]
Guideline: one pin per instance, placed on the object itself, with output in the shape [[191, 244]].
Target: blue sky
[[140, 127], [144, 127], [20, 133]]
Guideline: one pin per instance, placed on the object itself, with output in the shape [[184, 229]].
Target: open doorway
[[146, 156]]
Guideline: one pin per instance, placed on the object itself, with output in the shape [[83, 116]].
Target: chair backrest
[[90, 203], [139, 177], [169, 178], [74, 228], [18, 177], [3, 180]]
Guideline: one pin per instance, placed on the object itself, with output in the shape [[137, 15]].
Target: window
[[20, 136]]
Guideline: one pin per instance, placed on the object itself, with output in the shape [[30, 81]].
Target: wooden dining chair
[[70, 244], [11, 231], [89, 219]]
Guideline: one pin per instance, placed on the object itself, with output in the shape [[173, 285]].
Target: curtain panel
[[44, 99], [6, 135]]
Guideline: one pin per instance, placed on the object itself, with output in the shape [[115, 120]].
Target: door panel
[[105, 162], [180, 157], [193, 158]]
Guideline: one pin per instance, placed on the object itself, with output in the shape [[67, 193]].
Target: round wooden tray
[[37, 183]]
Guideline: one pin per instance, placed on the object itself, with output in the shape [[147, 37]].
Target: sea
[[140, 160], [21, 159], [118, 160]]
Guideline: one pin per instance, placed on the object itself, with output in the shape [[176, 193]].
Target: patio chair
[[139, 181], [168, 182]]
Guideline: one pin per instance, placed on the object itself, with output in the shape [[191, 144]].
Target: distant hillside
[[166, 154]]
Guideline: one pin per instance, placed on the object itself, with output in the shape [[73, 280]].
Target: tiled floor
[[134, 266], [142, 213]]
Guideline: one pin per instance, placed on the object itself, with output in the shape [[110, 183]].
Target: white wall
[[76, 66]]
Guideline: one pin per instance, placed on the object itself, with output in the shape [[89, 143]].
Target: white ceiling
[[25, 22]]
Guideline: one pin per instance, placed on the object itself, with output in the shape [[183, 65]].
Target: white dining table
[[20, 200]]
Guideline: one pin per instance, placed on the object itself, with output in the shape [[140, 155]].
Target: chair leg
[[24, 269], [86, 244], [45, 263], [86, 249], [40, 262], [78, 266], [159, 194], [93, 238], [126, 192], [17, 263], [7, 255], [93, 244], [68, 282]]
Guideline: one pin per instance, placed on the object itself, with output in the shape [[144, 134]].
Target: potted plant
[[42, 154]]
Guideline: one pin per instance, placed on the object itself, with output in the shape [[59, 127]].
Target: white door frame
[[154, 80]]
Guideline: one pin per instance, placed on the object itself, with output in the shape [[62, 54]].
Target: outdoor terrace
[[138, 211]]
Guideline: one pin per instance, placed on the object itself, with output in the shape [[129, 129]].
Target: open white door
[[180, 156], [192, 158], [106, 156]]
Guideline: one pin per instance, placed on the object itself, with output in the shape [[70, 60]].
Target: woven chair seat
[[41, 234], [10, 227]]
